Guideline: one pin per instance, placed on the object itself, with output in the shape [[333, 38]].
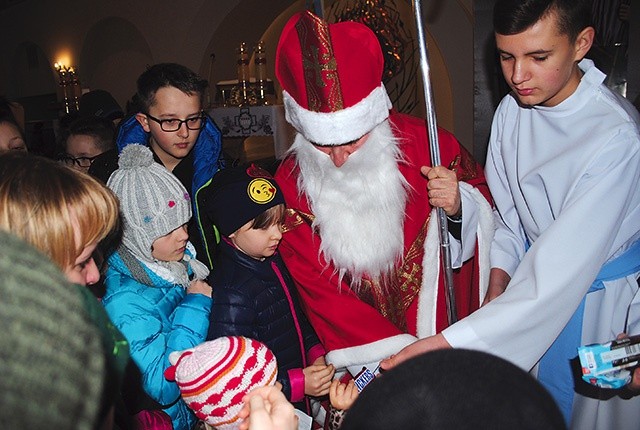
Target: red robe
[[359, 330]]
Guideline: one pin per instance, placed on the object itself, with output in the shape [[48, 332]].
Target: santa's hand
[[418, 347], [443, 189], [266, 408], [317, 379], [343, 395]]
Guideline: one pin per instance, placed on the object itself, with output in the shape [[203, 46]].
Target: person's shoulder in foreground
[[55, 365]]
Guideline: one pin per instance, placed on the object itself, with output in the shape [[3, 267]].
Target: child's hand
[[198, 286], [317, 379], [320, 360], [343, 395], [266, 408]]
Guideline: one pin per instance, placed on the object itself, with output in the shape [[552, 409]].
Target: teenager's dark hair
[[513, 17], [273, 215], [168, 75], [101, 129]]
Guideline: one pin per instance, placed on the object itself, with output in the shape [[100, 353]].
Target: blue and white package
[[606, 364], [365, 377]]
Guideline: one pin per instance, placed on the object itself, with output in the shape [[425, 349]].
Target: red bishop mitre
[[331, 76]]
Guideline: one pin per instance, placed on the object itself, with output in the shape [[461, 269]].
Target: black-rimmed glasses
[[195, 123], [79, 161]]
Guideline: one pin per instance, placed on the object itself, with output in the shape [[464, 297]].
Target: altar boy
[[563, 167]]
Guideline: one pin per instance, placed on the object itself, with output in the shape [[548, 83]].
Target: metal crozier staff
[[432, 129]]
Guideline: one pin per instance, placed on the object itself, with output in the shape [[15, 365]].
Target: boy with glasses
[[181, 136], [87, 138]]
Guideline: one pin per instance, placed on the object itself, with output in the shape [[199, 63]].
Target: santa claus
[[361, 240]]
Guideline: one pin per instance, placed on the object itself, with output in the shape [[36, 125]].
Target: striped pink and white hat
[[215, 375]]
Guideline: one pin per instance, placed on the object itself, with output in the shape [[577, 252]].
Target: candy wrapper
[[365, 377], [607, 365]]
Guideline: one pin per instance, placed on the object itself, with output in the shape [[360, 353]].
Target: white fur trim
[[345, 125], [370, 354], [427, 298], [486, 229]]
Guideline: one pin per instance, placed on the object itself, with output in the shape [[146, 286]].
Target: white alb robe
[[565, 180]]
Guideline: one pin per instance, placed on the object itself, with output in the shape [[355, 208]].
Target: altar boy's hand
[[634, 385], [418, 347]]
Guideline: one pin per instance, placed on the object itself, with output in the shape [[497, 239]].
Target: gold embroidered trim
[[319, 65]]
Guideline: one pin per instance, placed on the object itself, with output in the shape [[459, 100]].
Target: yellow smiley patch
[[261, 191]]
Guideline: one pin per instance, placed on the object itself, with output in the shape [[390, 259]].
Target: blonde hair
[[48, 204]]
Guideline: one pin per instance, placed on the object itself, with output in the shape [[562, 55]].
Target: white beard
[[358, 207]]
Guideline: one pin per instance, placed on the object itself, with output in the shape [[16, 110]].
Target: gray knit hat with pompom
[[153, 202]]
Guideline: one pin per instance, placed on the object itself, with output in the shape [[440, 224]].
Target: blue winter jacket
[[207, 160], [257, 299], [156, 319]]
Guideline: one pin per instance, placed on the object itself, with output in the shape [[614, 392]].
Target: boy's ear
[[584, 42], [144, 121]]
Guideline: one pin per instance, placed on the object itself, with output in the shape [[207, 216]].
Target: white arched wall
[[30, 73], [112, 48]]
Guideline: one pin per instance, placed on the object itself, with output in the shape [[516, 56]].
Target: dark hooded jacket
[[257, 299]]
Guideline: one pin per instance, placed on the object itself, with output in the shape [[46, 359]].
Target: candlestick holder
[[70, 84], [260, 61], [243, 93]]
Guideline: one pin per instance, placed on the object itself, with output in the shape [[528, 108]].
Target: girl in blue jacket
[[155, 289], [254, 293]]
